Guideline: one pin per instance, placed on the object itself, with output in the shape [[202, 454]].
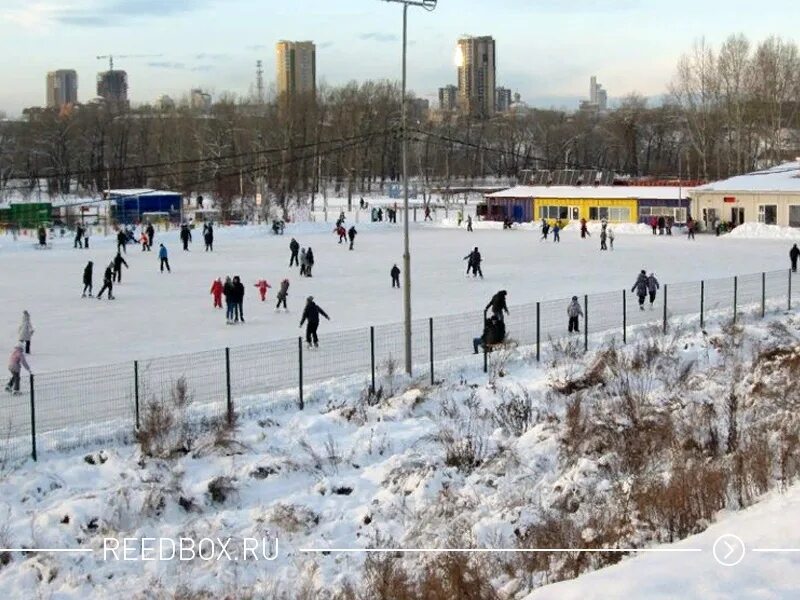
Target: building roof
[[783, 178], [589, 192], [140, 192]]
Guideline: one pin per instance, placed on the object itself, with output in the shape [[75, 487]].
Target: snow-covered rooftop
[[590, 192], [783, 178], [139, 192]]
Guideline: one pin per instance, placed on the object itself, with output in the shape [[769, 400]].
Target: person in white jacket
[[26, 331]]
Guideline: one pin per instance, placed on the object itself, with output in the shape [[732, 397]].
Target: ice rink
[[157, 314]]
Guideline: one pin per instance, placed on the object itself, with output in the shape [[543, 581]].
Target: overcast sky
[[546, 49]]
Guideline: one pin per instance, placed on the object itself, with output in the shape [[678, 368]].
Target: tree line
[[728, 110]]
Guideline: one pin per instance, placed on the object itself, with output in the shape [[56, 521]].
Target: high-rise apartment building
[[503, 102], [296, 68], [598, 98], [62, 88], [112, 87], [200, 100], [448, 98], [476, 60]]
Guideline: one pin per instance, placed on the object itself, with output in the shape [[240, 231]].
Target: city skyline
[[546, 51]]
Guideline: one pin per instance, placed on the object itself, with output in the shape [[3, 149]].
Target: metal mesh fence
[[74, 408]]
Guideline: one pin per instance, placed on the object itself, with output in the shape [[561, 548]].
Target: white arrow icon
[[729, 550]]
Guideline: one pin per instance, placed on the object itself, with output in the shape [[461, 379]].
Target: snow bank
[[765, 232]]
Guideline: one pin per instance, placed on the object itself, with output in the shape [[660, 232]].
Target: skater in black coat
[[474, 261], [78, 237], [351, 233], [641, 287], [283, 293], [118, 262], [498, 304], [87, 279], [108, 282], [311, 315], [208, 236], [237, 297], [122, 241], [309, 261], [186, 237], [294, 248], [794, 254], [395, 273], [151, 236]]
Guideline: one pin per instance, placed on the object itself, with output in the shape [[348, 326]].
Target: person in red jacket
[[263, 286], [342, 233], [216, 291]]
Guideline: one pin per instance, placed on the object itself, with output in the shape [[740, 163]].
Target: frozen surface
[[157, 314]]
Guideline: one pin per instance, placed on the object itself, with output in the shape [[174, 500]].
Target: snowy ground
[[157, 314], [452, 465]]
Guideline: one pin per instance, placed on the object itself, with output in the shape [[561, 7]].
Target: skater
[[556, 231], [670, 223], [342, 233], [469, 223], [227, 291], [661, 225], [144, 241], [86, 238], [395, 273], [26, 331], [584, 229], [691, 226], [574, 312], [42, 235], [283, 293], [611, 238], [641, 287], [216, 292], [87, 279], [78, 237], [494, 332], [309, 261], [208, 236], [263, 286], [545, 230], [498, 304], [652, 288], [603, 237], [474, 260], [163, 258], [15, 363], [428, 213], [794, 254], [237, 295], [108, 282], [311, 315], [122, 241], [654, 225], [186, 237], [118, 262], [303, 262], [151, 236], [351, 233], [294, 248]]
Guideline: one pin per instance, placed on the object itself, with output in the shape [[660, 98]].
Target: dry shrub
[[164, 428], [292, 518], [592, 376], [463, 435], [684, 503], [515, 413], [456, 575], [220, 489]]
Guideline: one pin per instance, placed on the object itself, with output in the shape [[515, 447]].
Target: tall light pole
[[428, 5]]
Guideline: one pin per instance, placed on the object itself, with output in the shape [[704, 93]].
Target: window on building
[[678, 214], [768, 214], [554, 212], [613, 214], [794, 216]]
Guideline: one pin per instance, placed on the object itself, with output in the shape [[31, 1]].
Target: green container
[[31, 214], [5, 216]]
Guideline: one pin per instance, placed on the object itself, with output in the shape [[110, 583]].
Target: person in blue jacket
[[163, 257]]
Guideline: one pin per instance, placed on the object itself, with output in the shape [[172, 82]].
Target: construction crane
[[110, 58]]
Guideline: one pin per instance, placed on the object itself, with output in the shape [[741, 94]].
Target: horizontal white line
[[775, 550], [46, 550], [491, 550]]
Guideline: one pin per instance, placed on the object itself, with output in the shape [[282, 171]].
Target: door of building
[[574, 213], [737, 215]]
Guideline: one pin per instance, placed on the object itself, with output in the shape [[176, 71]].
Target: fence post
[[300, 370], [485, 358], [665, 309], [136, 391], [538, 329], [702, 303], [790, 289], [763, 294], [735, 295], [586, 323], [33, 421], [624, 316], [228, 384], [371, 354], [430, 337]]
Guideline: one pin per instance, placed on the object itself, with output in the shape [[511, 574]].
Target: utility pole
[[428, 5]]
